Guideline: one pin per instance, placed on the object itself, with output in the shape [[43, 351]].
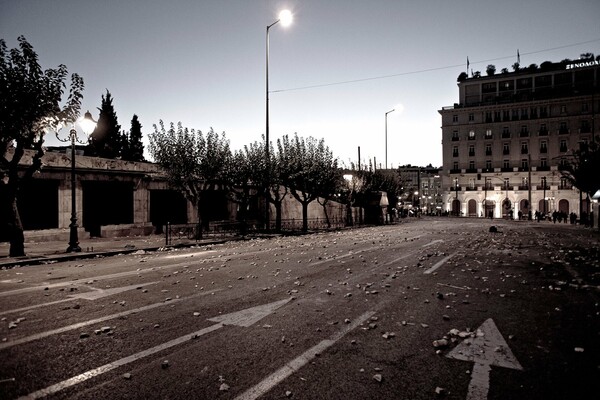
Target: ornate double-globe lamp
[[87, 125]]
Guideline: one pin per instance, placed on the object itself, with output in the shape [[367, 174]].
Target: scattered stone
[[579, 349], [127, 376], [440, 343], [288, 393], [224, 387], [440, 391], [165, 364], [84, 335], [378, 377]]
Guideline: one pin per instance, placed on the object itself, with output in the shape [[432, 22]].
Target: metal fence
[[179, 233]]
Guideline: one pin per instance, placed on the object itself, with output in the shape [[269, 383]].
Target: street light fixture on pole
[[386, 114], [88, 125], [286, 18]]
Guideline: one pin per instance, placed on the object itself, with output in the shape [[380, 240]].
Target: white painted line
[[95, 294], [433, 242], [291, 367], [439, 264], [123, 361], [240, 318], [27, 339]]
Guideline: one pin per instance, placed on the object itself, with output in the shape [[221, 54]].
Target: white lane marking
[[189, 255], [291, 367], [243, 318], [479, 351], [95, 294], [438, 264], [433, 242], [336, 258], [27, 339]]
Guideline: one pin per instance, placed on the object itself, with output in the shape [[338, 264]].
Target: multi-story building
[[504, 141]]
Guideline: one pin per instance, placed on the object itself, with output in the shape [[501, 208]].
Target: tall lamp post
[[386, 114], [286, 18], [87, 125]]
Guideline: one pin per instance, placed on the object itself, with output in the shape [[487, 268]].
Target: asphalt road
[[429, 308]]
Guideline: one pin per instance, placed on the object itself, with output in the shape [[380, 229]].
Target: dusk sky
[[333, 73]]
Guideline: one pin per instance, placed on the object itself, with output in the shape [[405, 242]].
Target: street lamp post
[[286, 18], [386, 152], [87, 124]]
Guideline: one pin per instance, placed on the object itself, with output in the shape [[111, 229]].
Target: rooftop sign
[[583, 64]]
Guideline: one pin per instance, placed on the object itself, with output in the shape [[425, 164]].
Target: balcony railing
[[543, 132], [505, 135]]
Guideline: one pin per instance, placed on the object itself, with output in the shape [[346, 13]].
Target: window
[[506, 148], [585, 107], [505, 115], [497, 116], [455, 151], [471, 135], [471, 165], [455, 118], [533, 112], [488, 133], [471, 117], [524, 183], [544, 111], [563, 128], [543, 130], [488, 149], [543, 146], [543, 183], [471, 183], [455, 165], [563, 145], [524, 113], [455, 136], [524, 164], [488, 116], [524, 131], [506, 164], [506, 183], [515, 115], [488, 164], [544, 163], [563, 109], [585, 126], [524, 148], [471, 150]]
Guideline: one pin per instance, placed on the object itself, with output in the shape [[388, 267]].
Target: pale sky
[[333, 73]]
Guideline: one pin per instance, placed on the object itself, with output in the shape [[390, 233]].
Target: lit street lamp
[[286, 18], [386, 114], [87, 125]]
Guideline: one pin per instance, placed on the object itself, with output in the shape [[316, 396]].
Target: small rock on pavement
[[440, 391], [127, 376], [378, 377], [165, 364], [288, 393], [224, 387]]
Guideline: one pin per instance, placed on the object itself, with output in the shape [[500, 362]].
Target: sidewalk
[[45, 252]]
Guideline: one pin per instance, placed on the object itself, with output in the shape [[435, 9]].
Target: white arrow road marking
[[487, 349], [27, 339], [439, 264], [94, 295], [242, 318], [291, 367]]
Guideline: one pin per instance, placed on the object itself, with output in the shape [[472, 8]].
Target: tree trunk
[[15, 230], [277, 205], [304, 216]]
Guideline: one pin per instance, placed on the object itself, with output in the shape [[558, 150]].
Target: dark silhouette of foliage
[[132, 147], [462, 77], [30, 104], [581, 167], [106, 140], [490, 70]]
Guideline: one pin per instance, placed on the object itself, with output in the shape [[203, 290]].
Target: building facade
[[504, 141]]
